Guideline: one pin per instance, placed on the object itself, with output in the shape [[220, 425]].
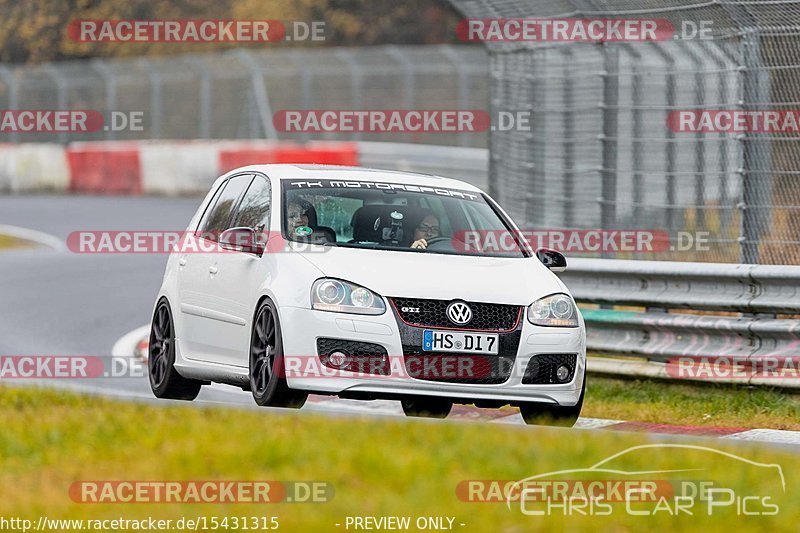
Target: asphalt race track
[[63, 303]]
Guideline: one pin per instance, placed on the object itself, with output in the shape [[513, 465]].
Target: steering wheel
[[438, 242]]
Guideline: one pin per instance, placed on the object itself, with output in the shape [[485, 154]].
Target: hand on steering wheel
[[424, 243]]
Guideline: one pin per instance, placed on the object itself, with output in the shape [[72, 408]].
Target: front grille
[[457, 368], [363, 357], [542, 368], [432, 314]]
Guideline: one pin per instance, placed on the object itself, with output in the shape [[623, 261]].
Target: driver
[[427, 229]]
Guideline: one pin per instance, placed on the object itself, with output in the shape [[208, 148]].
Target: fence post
[[61, 98], [756, 147], [110, 93], [205, 96], [463, 100], [669, 174], [356, 98], [154, 78], [259, 91], [699, 145], [637, 175], [723, 61], [306, 77], [568, 143], [13, 97], [608, 209], [536, 193]]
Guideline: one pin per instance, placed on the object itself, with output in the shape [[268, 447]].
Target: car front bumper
[[302, 327]]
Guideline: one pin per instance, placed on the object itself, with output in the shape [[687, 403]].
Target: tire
[[427, 407], [266, 366], [553, 415], [165, 381]]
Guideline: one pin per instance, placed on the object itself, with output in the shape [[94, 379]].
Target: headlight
[[554, 310], [342, 297]]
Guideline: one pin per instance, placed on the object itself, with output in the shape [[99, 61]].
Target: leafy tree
[[37, 30]]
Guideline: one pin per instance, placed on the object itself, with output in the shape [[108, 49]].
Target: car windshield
[[393, 216]]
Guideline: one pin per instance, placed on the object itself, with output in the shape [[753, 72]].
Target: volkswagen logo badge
[[459, 313]]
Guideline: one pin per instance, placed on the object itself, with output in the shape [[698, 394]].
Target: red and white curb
[[135, 343], [132, 344], [34, 236]]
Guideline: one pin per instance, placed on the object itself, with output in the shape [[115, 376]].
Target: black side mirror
[[241, 240], [552, 259]]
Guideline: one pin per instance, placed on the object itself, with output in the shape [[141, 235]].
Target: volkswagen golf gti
[[366, 284]]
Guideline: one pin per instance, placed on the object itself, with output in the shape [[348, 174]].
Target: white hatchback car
[[298, 279]]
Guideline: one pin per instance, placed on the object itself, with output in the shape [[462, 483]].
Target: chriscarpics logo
[[644, 481]]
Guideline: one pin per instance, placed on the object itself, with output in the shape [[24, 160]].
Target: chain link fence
[[234, 94], [600, 154]]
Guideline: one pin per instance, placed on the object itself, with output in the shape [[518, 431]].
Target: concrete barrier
[[106, 168], [189, 167], [33, 167], [174, 168], [231, 157]]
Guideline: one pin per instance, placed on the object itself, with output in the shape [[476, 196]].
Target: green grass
[[378, 466], [7, 242], [704, 404]]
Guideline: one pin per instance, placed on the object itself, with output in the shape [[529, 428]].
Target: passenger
[[297, 217]]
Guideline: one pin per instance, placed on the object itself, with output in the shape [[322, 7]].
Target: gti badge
[[459, 313]]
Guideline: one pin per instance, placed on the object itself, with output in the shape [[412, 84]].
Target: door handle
[[182, 261], [213, 269]]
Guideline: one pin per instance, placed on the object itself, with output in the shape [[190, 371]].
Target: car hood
[[516, 281]]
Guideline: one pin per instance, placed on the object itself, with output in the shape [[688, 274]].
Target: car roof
[[349, 173]]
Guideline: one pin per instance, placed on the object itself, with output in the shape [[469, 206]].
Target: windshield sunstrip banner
[[380, 185]]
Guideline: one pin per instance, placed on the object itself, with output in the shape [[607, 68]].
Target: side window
[[211, 204], [254, 209], [220, 214]]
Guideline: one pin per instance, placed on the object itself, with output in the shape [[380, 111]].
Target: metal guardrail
[[736, 312]]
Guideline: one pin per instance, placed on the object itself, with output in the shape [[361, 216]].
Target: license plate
[[458, 341]]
